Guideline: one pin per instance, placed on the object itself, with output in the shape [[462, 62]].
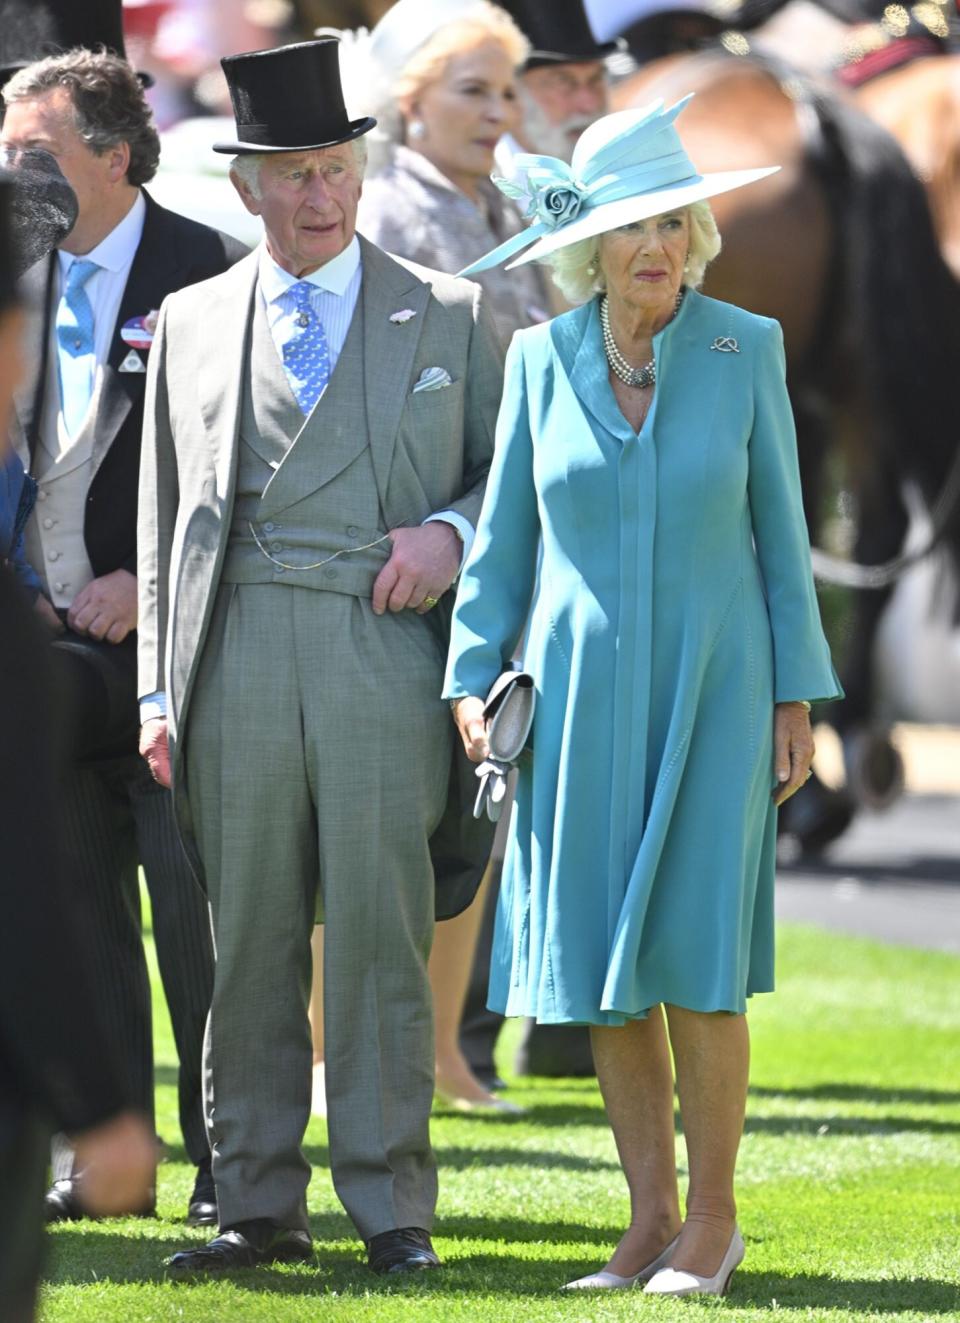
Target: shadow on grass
[[450, 1158], [84, 1254], [861, 1093], [847, 1125], [864, 1296], [463, 1159], [105, 1256], [547, 1115]]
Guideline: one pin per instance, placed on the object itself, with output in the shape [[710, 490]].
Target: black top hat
[[289, 100], [38, 209], [33, 29], [557, 30], [43, 206]]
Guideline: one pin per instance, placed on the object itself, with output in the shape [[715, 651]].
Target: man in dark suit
[[78, 428], [55, 1066]]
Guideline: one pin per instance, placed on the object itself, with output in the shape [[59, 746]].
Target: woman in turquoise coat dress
[[644, 512]]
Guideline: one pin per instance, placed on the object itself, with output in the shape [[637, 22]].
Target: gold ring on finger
[[430, 602]]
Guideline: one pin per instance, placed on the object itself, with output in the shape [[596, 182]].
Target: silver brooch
[[404, 315], [725, 344]]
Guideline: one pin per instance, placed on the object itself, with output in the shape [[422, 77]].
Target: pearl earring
[[416, 129]]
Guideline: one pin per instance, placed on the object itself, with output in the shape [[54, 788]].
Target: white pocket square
[[432, 378]]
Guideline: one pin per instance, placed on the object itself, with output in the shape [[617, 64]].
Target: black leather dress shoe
[[408, 1249], [202, 1208], [246, 1245], [61, 1204]]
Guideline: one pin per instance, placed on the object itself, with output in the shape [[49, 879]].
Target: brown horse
[[919, 103], [905, 78], [742, 117], [840, 248]]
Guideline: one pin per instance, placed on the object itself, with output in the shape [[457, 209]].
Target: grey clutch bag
[[509, 715]]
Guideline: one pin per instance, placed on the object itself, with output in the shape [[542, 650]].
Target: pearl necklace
[[630, 376]]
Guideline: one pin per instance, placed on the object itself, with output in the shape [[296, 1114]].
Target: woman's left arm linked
[[497, 581]]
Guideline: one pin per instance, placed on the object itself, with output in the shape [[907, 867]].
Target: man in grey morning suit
[[295, 537]]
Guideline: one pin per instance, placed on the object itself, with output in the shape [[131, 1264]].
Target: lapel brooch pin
[[138, 332], [404, 315], [726, 344]]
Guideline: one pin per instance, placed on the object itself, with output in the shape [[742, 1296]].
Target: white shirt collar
[[334, 276], [117, 250]]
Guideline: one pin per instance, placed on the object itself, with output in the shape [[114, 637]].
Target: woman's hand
[[468, 714], [792, 749]]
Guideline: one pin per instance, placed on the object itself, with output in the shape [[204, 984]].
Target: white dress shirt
[[114, 255], [334, 302], [63, 462]]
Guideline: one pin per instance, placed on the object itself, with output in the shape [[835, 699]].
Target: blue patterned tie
[[306, 356], [74, 324]]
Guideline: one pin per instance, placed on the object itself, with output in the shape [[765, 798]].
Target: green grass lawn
[[849, 1183]]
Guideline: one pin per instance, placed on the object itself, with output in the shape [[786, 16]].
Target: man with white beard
[[563, 82]]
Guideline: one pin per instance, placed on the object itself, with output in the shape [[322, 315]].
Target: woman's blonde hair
[[372, 88], [578, 275], [482, 22]]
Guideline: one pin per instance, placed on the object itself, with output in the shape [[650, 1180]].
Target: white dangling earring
[[416, 129]]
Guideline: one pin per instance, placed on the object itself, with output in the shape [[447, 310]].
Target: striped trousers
[[115, 818]]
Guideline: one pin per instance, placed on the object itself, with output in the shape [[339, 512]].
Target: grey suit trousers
[[317, 757]]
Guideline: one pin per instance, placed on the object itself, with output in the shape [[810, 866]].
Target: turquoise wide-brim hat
[[625, 167]]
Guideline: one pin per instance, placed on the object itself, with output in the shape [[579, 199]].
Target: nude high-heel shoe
[[609, 1281], [673, 1281]]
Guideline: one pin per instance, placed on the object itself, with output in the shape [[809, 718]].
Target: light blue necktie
[[306, 355], [75, 338]]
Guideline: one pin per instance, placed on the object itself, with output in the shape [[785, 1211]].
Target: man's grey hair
[[109, 107], [578, 275], [246, 168]]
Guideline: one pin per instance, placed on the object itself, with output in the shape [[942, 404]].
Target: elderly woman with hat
[[646, 442]]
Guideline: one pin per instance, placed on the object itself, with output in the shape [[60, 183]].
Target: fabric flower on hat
[[557, 204]]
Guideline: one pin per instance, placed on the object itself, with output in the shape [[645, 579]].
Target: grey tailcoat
[[425, 458]]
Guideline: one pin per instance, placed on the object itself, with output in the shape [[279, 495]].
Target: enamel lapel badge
[[138, 331], [133, 363]]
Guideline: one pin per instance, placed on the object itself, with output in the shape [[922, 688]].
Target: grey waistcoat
[[307, 486]]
